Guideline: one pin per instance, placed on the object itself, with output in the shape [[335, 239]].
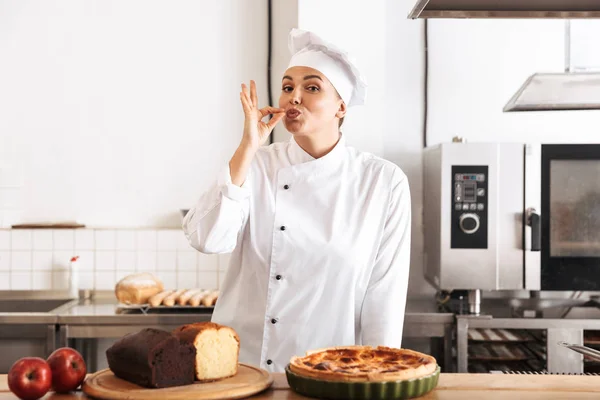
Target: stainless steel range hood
[[506, 9], [555, 92], [577, 88], [570, 90]]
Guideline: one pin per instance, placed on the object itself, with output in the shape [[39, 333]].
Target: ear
[[341, 112]]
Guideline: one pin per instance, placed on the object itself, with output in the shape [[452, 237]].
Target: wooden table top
[[450, 387]]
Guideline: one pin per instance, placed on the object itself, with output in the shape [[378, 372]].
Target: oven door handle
[[534, 221]]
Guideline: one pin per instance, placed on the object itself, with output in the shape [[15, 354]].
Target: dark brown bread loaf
[[152, 358]]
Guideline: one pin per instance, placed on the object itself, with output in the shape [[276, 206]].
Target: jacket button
[[286, 187], [274, 321], [269, 362], [278, 277], [282, 228]]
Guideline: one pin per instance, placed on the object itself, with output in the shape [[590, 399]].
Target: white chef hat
[[309, 50]]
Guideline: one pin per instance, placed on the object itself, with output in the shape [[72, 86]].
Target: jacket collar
[[302, 162]]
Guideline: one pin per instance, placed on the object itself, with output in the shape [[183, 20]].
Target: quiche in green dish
[[363, 372]]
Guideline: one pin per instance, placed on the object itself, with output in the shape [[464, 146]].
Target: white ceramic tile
[[21, 239], [126, 260], [86, 260], [146, 261], [4, 280], [63, 239], [125, 240], [167, 239], [62, 259], [84, 239], [60, 280], [20, 280], [42, 260], [187, 280], [207, 280], [122, 274], [186, 261], [11, 217], [20, 260], [224, 260], [182, 242], [106, 239], [168, 278], [86, 280], [146, 239], [4, 239], [4, 260], [42, 239], [105, 280], [42, 280], [105, 260], [207, 262], [10, 197], [166, 261]]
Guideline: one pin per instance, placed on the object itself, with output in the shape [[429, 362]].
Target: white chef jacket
[[320, 251]]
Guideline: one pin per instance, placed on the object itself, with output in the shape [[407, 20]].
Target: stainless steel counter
[[102, 308], [421, 320], [99, 317]]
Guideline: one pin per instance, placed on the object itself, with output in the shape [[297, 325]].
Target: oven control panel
[[469, 220]]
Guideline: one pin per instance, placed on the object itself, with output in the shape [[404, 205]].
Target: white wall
[[118, 113], [477, 65], [584, 42]]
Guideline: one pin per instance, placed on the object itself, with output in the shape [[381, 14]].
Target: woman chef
[[319, 232]]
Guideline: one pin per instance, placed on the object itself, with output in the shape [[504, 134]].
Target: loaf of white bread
[[217, 349], [138, 288]]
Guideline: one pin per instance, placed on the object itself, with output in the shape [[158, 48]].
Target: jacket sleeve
[[213, 225], [382, 315]]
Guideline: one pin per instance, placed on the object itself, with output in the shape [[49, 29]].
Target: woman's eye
[[313, 88], [287, 89]]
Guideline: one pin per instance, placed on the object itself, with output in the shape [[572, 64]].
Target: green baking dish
[[392, 390]]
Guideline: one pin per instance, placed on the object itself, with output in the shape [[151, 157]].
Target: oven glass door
[[570, 217]]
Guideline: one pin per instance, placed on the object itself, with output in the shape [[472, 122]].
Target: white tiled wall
[[39, 259]]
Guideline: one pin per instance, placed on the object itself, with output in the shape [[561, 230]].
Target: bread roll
[[170, 299], [210, 299], [197, 298], [184, 298], [158, 298], [138, 288]]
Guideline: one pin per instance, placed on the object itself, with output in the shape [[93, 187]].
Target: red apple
[[68, 369], [30, 378]]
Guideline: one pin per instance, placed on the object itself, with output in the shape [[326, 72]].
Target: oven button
[[458, 206], [469, 223], [473, 206]]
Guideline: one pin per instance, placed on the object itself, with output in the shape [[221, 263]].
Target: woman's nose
[[295, 98]]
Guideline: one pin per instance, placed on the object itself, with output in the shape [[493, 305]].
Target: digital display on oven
[[470, 192]]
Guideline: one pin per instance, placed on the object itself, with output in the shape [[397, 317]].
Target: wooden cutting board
[[247, 382]]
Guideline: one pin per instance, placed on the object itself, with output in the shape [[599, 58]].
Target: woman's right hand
[[255, 130]]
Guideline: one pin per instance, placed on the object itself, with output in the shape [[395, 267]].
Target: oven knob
[[469, 223]]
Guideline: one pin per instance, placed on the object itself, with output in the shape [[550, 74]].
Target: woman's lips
[[292, 113]]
